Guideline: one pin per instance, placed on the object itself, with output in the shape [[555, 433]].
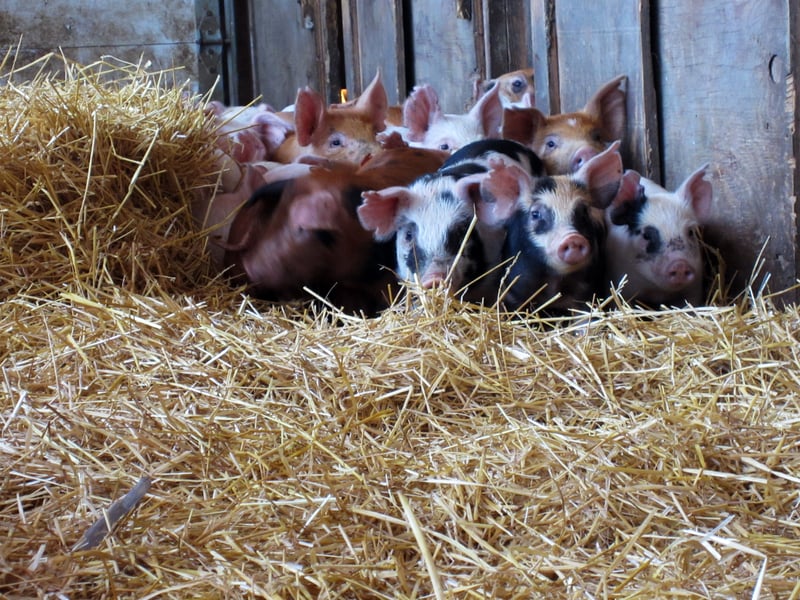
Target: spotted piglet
[[432, 219], [556, 234], [654, 240]]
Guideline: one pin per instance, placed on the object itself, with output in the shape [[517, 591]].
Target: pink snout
[[433, 279], [680, 273], [581, 157], [574, 249]]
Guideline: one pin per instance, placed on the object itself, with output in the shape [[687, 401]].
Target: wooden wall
[[162, 33], [708, 82]]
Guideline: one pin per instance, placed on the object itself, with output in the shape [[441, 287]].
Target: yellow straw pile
[[236, 449]]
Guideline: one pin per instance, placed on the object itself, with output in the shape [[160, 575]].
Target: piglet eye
[[647, 234], [517, 85], [550, 143], [335, 142], [535, 214], [444, 146]]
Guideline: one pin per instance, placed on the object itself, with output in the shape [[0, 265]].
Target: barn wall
[[161, 32]]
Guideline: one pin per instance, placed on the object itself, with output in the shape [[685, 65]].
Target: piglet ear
[[374, 102], [697, 192], [628, 201], [309, 115], [602, 175], [521, 124], [420, 110], [488, 111], [608, 107], [379, 210], [500, 191]]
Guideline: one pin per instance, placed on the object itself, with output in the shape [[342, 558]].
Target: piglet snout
[[581, 157], [574, 249], [680, 273]]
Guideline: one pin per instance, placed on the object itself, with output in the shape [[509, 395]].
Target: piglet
[[566, 141], [303, 232], [431, 219], [555, 236], [654, 240], [345, 134], [516, 88], [428, 126]]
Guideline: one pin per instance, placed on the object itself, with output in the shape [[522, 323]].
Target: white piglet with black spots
[[432, 219], [654, 240]]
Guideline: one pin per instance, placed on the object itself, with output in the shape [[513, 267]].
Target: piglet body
[[654, 240], [555, 236]]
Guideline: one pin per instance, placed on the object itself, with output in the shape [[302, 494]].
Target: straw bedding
[[288, 452]]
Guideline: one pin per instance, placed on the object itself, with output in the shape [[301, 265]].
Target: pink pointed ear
[[500, 192], [420, 110], [697, 192], [608, 107], [215, 108], [602, 175], [309, 115], [374, 101], [521, 124], [628, 188], [379, 210], [488, 111]]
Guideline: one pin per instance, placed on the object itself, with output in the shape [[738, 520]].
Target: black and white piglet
[[432, 218], [654, 240], [556, 234]]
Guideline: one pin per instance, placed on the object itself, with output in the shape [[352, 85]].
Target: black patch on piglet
[[653, 238], [629, 213], [541, 218], [463, 170], [483, 148], [269, 194]]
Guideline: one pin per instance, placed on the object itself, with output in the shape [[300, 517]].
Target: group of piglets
[[502, 204]]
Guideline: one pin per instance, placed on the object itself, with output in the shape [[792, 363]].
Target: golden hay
[[435, 451]]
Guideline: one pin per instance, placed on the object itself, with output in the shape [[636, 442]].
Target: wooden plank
[[507, 30], [545, 55], [162, 33], [728, 98], [296, 45], [595, 45], [444, 52], [373, 40]]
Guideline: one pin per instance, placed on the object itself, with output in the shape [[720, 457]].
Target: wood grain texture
[[162, 34], [727, 98], [595, 45], [296, 45], [443, 52], [373, 40]]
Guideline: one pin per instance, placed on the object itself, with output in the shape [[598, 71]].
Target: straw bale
[[436, 451]]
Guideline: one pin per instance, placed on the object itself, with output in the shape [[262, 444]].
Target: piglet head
[[345, 134], [430, 127]]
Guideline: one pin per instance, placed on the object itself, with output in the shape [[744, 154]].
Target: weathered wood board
[[373, 41], [443, 52], [160, 33], [296, 44], [594, 45], [728, 99]]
